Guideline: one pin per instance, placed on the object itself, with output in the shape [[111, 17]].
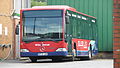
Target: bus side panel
[[83, 46]]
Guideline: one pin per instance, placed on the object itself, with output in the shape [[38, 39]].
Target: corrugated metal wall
[[102, 10]]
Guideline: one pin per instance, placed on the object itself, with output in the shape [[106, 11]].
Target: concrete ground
[[47, 63]]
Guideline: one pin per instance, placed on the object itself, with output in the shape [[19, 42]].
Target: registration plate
[[42, 54]]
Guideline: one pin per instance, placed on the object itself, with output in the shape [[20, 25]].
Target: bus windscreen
[[40, 25]]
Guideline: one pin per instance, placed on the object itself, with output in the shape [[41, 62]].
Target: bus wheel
[[33, 59], [57, 59]]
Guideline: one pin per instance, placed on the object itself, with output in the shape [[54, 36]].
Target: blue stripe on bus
[[85, 53], [61, 53], [82, 53]]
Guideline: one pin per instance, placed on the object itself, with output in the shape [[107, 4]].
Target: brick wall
[[116, 33], [6, 8]]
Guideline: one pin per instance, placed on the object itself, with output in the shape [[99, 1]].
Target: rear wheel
[[72, 58], [89, 57]]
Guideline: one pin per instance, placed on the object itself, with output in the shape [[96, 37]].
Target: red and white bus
[[57, 32]]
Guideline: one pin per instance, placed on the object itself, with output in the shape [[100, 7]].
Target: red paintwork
[[64, 9], [53, 45], [81, 44], [31, 46], [41, 47]]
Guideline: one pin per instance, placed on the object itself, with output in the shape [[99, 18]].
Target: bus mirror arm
[[17, 30]]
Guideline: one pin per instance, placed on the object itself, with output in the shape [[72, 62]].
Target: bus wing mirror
[[67, 19], [17, 30]]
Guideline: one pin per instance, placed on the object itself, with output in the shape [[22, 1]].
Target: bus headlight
[[61, 49], [24, 50]]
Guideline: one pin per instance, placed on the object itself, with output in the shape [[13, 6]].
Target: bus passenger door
[[68, 37]]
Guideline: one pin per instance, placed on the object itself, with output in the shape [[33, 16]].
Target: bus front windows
[[42, 27]]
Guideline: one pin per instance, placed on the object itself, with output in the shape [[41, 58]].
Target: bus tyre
[[33, 59], [57, 60]]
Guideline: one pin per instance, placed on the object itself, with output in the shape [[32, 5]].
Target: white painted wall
[[20, 4]]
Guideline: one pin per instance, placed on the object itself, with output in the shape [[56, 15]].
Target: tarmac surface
[[47, 63]]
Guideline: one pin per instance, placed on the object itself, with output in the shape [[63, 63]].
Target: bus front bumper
[[28, 54]]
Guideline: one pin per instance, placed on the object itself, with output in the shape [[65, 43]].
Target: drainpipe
[[13, 33]]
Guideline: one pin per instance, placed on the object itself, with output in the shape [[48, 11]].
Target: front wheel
[[33, 59], [72, 58], [57, 59]]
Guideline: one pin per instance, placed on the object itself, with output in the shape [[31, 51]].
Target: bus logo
[[82, 43], [42, 49], [42, 44]]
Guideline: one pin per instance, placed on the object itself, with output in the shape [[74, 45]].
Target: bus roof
[[62, 7]]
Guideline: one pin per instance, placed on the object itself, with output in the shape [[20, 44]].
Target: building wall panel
[[6, 9], [116, 33], [102, 10]]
